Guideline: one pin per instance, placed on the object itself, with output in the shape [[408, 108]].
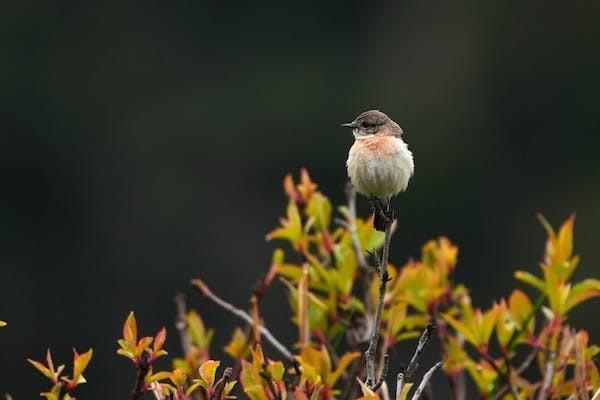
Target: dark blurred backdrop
[[145, 144]]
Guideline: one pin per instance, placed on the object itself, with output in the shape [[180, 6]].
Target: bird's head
[[374, 122]]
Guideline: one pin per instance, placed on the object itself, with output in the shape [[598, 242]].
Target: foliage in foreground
[[518, 347]]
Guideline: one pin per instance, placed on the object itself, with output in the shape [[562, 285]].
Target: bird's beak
[[350, 125]]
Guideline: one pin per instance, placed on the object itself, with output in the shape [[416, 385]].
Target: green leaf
[[532, 280], [581, 292]]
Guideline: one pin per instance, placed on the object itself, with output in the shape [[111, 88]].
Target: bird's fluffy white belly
[[381, 170]]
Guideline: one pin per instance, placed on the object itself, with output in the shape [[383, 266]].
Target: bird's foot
[[383, 214]]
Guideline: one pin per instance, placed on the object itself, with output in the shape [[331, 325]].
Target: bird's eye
[[367, 125]]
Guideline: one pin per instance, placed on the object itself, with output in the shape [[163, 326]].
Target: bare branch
[[425, 380], [243, 315], [386, 364], [414, 362], [383, 278]]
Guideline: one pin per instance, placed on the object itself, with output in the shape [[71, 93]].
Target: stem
[[138, 385], [181, 323], [524, 365], [243, 315], [219, 390], [383, 278]]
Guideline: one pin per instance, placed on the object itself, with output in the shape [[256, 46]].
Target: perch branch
[[241, 314], [425, 380], [383, 278]]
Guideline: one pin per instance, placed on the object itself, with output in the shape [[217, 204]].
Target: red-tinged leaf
[[159, 339], [208, 370], [306, 187], [80, 363], [130, 329], [42, 368], [290, 188], [142, 345]]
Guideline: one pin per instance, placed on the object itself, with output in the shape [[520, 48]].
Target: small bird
[[379, 162]]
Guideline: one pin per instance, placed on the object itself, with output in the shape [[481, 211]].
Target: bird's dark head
[[374, 122]]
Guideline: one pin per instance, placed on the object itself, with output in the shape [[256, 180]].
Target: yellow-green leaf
[[208, 370]]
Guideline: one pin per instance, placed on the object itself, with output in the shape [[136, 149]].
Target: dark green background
[[144, 144]]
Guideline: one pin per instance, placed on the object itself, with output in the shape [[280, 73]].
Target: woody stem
[[371, 352]]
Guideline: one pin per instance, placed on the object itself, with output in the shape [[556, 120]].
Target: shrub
[[340, 294]]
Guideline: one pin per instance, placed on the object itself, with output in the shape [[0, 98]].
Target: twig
[[181, 323], [138, 385], [414, 362], [241, 314], [524, 365], [399, 385], [383, 278], [386, 364], [425, 381], [547, 377], [225, 378]]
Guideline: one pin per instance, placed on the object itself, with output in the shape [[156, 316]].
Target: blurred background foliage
[[143, 145]]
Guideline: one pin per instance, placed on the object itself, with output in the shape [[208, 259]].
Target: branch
[[181, 323], [414, 362], [241, 314], [383, 278], [547, 377], [219, 389], [425, 381], [386, 364], [402, 378], [138, 385]]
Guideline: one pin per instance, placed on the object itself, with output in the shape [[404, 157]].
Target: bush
[[339, 295]]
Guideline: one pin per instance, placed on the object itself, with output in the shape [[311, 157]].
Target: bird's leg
[[389, 212], [383, 213]]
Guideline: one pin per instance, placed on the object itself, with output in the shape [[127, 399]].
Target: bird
[[379, 164]]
